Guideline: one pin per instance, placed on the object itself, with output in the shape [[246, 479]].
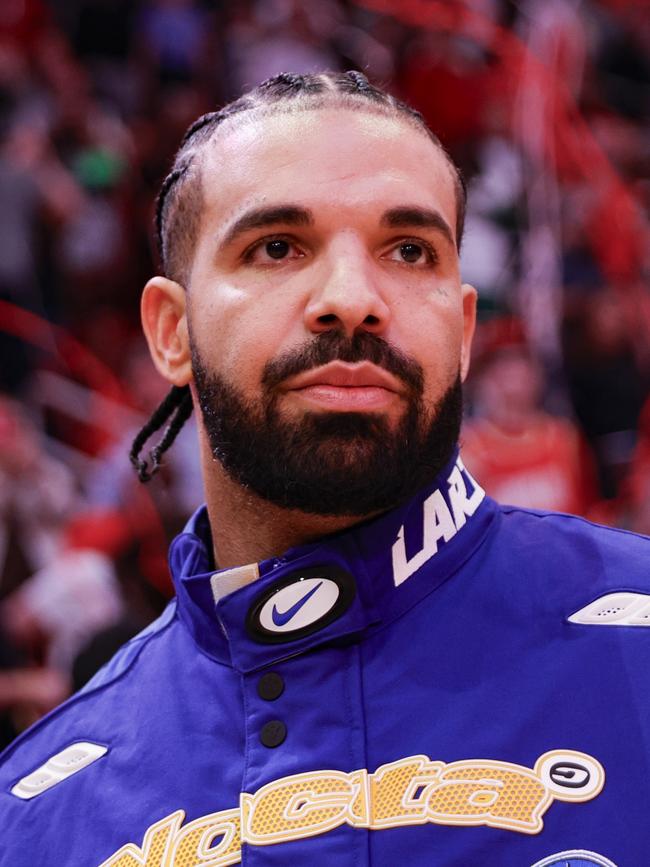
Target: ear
[[164, 321], [469, 324]]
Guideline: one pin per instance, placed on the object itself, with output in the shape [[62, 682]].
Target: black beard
[[329, 463]]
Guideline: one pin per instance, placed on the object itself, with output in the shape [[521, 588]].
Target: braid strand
[[177, 405]]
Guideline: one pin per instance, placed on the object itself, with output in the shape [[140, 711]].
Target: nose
[[346, 293]]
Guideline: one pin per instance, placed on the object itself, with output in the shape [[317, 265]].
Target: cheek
[[433, 318], [213, 321], [435, 339], [236, 333]]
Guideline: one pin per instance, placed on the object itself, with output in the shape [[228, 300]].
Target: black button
[[273, 733], [270, 686]]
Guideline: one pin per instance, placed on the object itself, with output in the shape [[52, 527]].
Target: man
[[368, 661], [521, 453]]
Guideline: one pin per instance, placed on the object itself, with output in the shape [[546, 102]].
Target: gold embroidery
[[298, 806], [155, 846], [399, 791], [490, 793], [195, 845], [411, 791]]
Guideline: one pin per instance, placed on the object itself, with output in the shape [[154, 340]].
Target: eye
[[413, 253], [269, 250], [277, 249]]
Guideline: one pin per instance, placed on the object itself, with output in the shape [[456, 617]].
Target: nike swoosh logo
[[280, 618]]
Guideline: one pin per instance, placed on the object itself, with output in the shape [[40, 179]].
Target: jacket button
[[270, 686], [273, 733]]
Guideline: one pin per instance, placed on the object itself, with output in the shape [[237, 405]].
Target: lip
[[345, 387], [342, 374]]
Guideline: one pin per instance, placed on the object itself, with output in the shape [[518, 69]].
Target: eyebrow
[[423, 218], [260, 218], [294, 215]]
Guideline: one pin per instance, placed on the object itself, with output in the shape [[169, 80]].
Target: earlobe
[[470, 296], [164, 321]]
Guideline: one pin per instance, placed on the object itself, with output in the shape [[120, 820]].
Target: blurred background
[[544, 105]]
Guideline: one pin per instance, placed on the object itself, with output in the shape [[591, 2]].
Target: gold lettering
[[399, 791], [299, 806], [195, 845], [359, 812], [411, 791], [155, 846], [498, 794]]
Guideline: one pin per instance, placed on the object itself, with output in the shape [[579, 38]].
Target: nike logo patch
[[290, 608], [280, 618]]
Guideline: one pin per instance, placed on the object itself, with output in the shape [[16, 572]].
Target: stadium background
[[544, 105]]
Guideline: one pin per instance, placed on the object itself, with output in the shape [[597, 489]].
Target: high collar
[[393, 561]]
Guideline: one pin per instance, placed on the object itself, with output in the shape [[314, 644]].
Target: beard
[[329, 463]]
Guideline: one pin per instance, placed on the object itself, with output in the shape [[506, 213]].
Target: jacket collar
[[379, 569]]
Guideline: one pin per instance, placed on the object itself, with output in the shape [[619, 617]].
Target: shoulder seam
[[538, 513]]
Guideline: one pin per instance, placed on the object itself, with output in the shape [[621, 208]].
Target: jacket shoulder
[[619, 556], [81, 710]]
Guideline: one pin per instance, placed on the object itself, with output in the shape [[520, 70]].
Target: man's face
[[328, 325]]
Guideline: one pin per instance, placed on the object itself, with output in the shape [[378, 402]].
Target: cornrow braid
[[356, 82], [167, 184], [177, 405], [211, 118]]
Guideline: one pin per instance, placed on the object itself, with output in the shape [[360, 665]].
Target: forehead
[[331, 158]]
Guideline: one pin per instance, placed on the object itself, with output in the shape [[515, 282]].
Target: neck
[[246, 528]]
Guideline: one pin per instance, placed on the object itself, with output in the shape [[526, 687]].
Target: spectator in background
[[26, 693], [37, 194], [171, 37], [55, 614], [607, 385], [92, 253], [37, 496], [450, 79], [523, 455], [75, 595], [631, 509]]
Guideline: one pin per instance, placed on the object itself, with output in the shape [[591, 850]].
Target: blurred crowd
[[544, 105]]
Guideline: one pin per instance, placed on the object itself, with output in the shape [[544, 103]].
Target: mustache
[[335, 346]]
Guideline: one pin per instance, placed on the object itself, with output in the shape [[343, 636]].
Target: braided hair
[[178, 405], [180, 201]]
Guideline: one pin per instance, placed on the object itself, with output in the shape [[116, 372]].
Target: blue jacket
[[452, 683]]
